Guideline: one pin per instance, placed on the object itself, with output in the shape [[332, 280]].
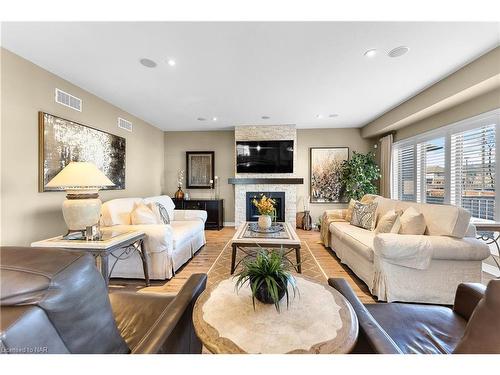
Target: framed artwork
[[325, 167], [62, 141], [200, 168]]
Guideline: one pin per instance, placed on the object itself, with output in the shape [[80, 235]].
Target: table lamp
[[82, 181]]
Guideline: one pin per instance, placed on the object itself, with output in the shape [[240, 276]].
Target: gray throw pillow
[[364, 215], [160, 212]]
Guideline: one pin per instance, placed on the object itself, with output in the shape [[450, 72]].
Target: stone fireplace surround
[[266, 133]]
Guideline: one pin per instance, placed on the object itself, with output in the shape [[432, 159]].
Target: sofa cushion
[[441, 219], [164, 200], [364, 215], [419, 329], [350, 209], [117, 211], [389, 222], [142, 214], [184, 230], [358, 239], [412, 222]]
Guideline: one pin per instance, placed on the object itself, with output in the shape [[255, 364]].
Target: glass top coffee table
[[247, 242]]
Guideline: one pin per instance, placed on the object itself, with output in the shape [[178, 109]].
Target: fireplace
[[279, 197]]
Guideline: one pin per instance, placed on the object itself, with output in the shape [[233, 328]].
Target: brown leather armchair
[[55, 301], [472, 326]]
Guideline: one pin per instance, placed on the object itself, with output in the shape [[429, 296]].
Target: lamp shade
[[80, 175]]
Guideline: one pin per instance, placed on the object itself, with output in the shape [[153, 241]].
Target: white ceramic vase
[[265, 221]]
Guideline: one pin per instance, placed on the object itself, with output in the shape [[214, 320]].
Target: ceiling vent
[[68, 100], [124, 124], [398, 51]]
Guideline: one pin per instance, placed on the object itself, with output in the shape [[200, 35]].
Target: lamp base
[[81, 211]]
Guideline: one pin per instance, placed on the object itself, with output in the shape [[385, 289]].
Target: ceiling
[[239, 72]]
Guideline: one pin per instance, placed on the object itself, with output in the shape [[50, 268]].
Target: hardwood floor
[[216, 240]]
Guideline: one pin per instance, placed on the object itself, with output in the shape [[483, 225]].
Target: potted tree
[[359, 175], [268, 276]]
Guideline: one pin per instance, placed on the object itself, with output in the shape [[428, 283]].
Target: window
[[455, 165]]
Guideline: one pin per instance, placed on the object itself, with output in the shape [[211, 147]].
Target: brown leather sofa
[[55, 301], [472, 326]]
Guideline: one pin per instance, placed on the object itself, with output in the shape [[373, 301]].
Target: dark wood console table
[[214, 208]]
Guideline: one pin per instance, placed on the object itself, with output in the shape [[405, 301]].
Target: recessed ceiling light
[[398, 51], [171, 62], [265, 117], [148, 63], [214, 118], [371, 52], [319, 116], [202, 119], [333, 115]]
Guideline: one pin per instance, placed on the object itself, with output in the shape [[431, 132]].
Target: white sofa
[[412, 268], [168, 246]]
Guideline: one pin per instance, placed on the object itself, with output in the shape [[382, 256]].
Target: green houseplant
[[268, 276], [359, 175]]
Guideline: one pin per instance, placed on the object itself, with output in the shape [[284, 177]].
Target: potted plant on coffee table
[[265, 206], [268, 276]]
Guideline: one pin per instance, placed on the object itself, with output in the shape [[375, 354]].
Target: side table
[[117, 245], [486, 232]]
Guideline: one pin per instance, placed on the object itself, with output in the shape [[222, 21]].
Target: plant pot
[[265, 221], [262, 294]]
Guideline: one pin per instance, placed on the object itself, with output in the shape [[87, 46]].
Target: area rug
[[221, 269]]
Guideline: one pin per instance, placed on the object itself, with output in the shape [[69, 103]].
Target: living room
[[265, 187]]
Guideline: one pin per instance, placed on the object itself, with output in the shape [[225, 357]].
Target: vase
[[265, 221], [179, 194], [262, 293], [307, 221]]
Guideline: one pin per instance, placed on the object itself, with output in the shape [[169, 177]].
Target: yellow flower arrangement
[[265, 205]]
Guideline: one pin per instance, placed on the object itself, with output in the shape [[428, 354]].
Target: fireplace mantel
[[262, 181]]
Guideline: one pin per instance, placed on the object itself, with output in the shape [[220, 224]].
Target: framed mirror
[[200, 168]]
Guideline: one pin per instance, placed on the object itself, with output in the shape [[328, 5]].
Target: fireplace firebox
[[279, 198]]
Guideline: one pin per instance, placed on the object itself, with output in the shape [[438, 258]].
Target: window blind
[[403, 171], [431, 171], [473, 155]]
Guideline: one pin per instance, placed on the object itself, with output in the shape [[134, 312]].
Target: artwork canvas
[[325, 174], [200, 169], [62, 141]]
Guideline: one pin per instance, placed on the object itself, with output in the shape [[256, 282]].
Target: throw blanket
[[404, 250], [329, 216]]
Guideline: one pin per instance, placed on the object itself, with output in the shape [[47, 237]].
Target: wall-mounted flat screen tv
[[264, 156]]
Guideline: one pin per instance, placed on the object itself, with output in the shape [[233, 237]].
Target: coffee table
[[120, 245], [319, 320], [249, 242]]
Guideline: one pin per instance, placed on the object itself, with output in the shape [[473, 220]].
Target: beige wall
[[26, 214], [222, 142], [307, 138]]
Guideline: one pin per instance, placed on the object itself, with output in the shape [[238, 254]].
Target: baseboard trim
[[229, 223]]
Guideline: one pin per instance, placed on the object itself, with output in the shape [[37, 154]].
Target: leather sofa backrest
[[441, 220], [59, 294], [482, 334], [117, 211]]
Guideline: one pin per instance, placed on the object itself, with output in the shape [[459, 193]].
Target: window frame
[[484, 119]]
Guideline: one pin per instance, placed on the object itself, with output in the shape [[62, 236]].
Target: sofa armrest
[[467, 297], [335, 215], [173, 332], [190, 215], [376, 337]]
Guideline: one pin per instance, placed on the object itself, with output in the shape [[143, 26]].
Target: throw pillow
[[142, 214], [364, 215], [350, 208], [389, 222], [160, 212], [412, 222]]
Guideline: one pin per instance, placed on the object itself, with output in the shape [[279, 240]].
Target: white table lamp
[[82, 181]]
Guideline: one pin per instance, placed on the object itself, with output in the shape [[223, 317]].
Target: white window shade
[[431, 171], [473, 163], [403, 168]]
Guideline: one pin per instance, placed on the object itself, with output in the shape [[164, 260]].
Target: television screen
[[264, 157]]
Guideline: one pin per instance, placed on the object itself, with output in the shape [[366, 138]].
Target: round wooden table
[[319, 320]]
